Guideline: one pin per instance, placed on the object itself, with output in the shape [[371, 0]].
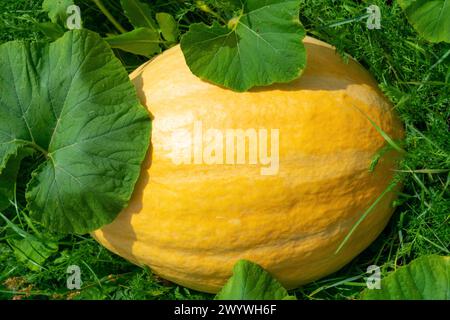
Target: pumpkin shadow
[[120, 235], [321, 74]]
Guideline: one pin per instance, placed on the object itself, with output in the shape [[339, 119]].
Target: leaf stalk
[[109, 16]]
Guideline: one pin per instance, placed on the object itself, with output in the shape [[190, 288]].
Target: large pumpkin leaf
[[431, 19], [72, 101], [251, 282], [426, 278], [260, 46]]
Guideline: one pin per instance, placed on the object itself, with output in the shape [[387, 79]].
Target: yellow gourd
[[190, 222]]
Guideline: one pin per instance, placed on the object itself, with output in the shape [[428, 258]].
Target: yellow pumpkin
[[190, 222]]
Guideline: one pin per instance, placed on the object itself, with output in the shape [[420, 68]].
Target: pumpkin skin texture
[[191, 222]]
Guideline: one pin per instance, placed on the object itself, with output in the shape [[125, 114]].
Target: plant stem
[[33, 145], [346, 21], [38, 148], [205, 8], [108, 15]]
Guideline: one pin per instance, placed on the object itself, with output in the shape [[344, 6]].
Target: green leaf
[[72, 102], [142, 41], [139, 14], [260, 47], [168, 26], [251, 282], [33, 252], [30, 250], [57, 10], [8, 175], [426, 278], [51, 30], [431, 19]]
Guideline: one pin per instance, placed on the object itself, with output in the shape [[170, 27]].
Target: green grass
[[410, 71]]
